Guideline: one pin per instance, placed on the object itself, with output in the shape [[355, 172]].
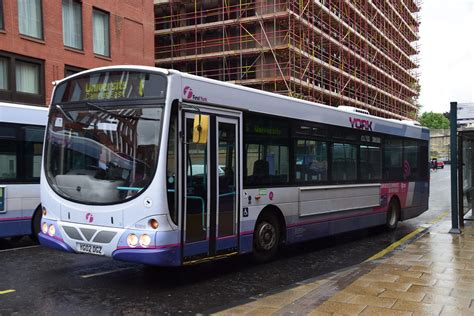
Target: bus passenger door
[[227, 186], [211, 189], [196, 196]]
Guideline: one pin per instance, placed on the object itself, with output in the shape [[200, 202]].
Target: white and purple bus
[[21, 146], [165, 168]]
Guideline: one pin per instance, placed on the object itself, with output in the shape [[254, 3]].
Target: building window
[[2, 23], [21, 79], [72, 24], [30, 18], [27, 77], [101, 32], [71, 70], [3, 73]]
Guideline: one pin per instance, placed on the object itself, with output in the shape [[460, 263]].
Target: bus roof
[[23, 114], [204, 90], [244, 98]]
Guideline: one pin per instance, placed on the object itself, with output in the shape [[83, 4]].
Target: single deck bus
[[165, 168], [21, 146]]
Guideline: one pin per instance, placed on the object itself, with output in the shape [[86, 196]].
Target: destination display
[[110, 85]]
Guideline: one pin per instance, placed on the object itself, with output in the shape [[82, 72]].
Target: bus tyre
[[393, 215], [266, 238], [36, 223]]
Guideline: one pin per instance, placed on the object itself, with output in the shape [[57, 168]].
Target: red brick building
[[42, 41]]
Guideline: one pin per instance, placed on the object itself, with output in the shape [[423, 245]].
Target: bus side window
[[392, 156], [410, 160], [266, 164], [344, 162], [8, 153], [311, 161], [424, 171], [267, 150], [370, 162], [33, 148]]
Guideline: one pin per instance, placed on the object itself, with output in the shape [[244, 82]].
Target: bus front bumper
[[165, 257], [55, 243]]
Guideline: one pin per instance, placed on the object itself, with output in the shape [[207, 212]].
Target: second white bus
[[21, 145]]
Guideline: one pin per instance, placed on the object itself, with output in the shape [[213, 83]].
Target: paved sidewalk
[[433, 275]]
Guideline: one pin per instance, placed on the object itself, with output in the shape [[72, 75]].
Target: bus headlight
[[44, 228], [145, 240], [45, 212], [132, 240], [51, 230]]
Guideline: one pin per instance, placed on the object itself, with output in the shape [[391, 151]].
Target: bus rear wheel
[[393, 215], [266, 238]]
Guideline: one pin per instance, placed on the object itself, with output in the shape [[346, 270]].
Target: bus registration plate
[[91, 249]]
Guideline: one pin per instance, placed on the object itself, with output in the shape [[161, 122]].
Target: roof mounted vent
[[411, 122], [352, 109]]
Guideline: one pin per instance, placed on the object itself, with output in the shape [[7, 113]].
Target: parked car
[[440, 165]]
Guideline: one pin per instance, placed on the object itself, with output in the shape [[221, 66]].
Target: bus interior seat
[[260, 169]]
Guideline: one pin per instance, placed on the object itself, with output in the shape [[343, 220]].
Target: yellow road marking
[[7, 292], [407, 237]]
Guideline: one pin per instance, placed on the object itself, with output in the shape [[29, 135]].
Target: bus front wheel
[[393, 215], [266, 238], [36, 223]]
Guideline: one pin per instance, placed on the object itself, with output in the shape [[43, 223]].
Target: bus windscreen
[[111, 85]]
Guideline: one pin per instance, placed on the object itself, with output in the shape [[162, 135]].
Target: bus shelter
[[462, 164]]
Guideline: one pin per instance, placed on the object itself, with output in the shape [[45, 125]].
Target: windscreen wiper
[[67, 115], [101, 109]]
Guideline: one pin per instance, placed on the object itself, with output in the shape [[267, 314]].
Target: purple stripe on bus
[[24, 218]]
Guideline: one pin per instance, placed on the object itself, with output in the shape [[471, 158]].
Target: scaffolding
[[337, 52]]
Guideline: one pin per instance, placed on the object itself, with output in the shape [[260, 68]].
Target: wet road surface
[[49, 282]]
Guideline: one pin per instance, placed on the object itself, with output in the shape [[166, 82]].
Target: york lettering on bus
[[361, 124]]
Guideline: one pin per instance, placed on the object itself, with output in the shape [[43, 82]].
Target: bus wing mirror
[[200, 128]]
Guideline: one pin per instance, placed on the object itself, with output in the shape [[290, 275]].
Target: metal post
[[454, 171]]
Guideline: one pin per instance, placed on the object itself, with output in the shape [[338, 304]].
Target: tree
[[434, 120]]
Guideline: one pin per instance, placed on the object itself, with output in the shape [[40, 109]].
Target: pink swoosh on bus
[[15, 218], [226, 237], [247, 232]]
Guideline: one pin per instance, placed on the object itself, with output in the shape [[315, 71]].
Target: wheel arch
[[396, 199], [275, 210]]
